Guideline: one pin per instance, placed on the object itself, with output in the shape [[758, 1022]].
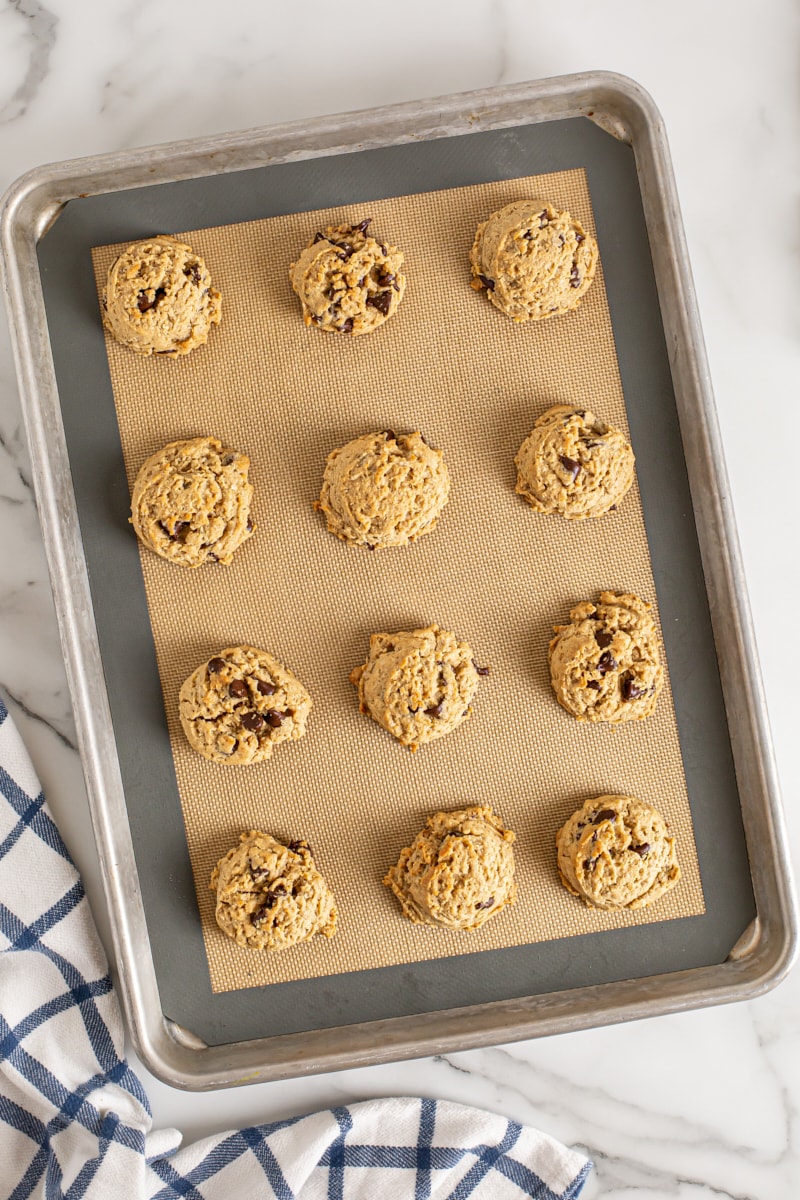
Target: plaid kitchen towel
[[74, 1119]]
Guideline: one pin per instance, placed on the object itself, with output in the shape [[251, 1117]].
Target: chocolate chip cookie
[[191, 502], [417, 685], [574, 464], [383, 489], [158, 298], [533, 261], [616, 852], [270, 895], [458, 872], [605, 665], [240, 704], [348, 281]]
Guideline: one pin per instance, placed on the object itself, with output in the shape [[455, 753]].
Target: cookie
[[458, 872], [158, 298], [417, 685], [532, 260], [616, 852], [191, 502], [271, 896], [574, 464], [605, 665], [240, 705], [383, 489], [347, 281]]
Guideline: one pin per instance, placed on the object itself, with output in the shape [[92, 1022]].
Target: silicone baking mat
[[493, 571]]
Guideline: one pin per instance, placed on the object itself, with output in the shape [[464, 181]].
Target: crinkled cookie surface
[[532, 260], [347, 281], [574, 464], [240, 704], [418, 684], [270, 896], [191, 502], [383, 489], [158, 298], [616, 852], [458, 872], [606, 664]]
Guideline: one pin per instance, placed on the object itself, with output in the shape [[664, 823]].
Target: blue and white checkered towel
[[75, 1121]]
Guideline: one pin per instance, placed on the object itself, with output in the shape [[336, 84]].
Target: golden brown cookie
[[616, 852], [417, 685], [191, 502], [605, 665], [458, 872], [158, 298], [532, 260], [348, 281], [240, 704], [270, 896], [383, 489], [574, 464]]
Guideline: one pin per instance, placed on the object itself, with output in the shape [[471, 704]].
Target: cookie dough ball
[[532, 260], [616, 852], [383, 489], [158, 298], [605, 665], [239, 705], [574, 464], [417, 685], [270, 896], [191, 502], [458, 872], [347, 281]]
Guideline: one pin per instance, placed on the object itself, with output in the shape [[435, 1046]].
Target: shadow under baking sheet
[[119, 590]]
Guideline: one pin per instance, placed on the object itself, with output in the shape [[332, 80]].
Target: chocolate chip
[[144, 303], [381, 301], [266, 689], [212, 558], [269, 900], [299, 844], [250, 526], [252, 721], [594, 685], [384, 279], [579, 238], [542, 219], [192, 271], [319, 237], [606, 662], [561, 239], [487, 282], [480, 670], [630, 691], [348, 250], [435, 710], [275, 718], [215, 665], [589, 864], [603, 639], [383, 249], [227, 459], [362, 226], [574, 278], [605, 814], [641, 850], [181, 531], [390, 435], [347, 326], [569, 464], [238, 689], [485, 903]]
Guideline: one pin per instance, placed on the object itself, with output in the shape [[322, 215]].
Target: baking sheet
[[675, 561]]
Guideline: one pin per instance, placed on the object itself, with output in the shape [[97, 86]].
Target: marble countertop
[[695, 1105]]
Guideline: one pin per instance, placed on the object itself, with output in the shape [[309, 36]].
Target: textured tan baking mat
[[493, 571]]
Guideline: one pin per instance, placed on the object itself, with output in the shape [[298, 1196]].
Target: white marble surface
[[704, 1104]]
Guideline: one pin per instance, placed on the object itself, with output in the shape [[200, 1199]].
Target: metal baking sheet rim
[[766, 952]]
